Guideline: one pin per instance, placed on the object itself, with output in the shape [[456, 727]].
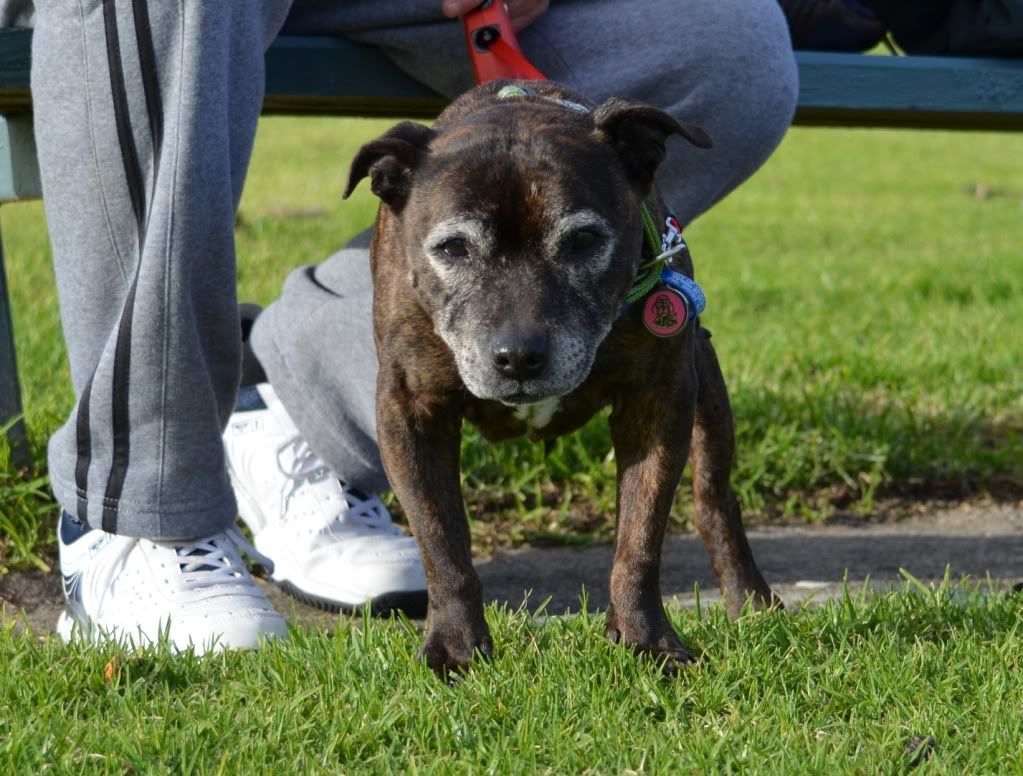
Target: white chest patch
[[538, 415]]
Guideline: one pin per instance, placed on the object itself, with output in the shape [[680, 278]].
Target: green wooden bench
[[327, 76]]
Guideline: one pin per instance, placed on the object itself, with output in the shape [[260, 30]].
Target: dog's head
[[518, 224]]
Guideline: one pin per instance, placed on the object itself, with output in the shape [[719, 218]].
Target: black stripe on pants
[[120, 417]]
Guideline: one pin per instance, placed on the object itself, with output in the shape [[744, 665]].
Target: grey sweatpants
[[145, 115]]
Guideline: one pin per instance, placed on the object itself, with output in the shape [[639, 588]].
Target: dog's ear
[[637, 131], [389, 161]]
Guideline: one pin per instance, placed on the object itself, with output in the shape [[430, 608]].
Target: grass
[[865, 293], [849, 687]]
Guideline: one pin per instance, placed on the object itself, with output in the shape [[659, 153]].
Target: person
[[977, 28], [145, 118], [833, 25]]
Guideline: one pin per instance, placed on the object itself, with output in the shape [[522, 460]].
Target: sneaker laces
[[305, 467], [368, 511], [203, 563]]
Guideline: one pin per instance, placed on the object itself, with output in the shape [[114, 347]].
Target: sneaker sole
[[413, 603], [68, 628]]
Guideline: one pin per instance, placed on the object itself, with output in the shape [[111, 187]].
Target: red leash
[[493, 47]]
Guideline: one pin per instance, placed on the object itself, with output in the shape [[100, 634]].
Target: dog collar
[[512, 91], [670, 298]]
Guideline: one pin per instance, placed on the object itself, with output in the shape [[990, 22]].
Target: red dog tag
[[665, 312]]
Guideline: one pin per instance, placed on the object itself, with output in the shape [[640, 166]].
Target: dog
[[507, 240]]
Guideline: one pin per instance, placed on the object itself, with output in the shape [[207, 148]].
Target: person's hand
[[521, 12]]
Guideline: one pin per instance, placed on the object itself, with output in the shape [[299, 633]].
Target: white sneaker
[[331, 546], [198, 594]]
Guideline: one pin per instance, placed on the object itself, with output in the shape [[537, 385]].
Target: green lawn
[[866, 298], [844, 688]]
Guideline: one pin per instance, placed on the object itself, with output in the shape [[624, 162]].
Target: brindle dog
[[508, 236]]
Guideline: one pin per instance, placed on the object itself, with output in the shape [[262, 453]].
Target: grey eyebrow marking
[[474, 230], [582, 219]]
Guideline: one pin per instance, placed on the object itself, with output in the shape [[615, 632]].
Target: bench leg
[[11, 412]]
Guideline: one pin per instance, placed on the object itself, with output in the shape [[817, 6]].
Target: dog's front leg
[[651, 431], [420, 439]]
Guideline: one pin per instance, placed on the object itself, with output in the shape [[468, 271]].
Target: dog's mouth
[[522, 397]]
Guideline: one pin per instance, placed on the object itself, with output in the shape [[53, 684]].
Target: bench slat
[[333, 76], [15, 60], [330, 76], [911, 92]]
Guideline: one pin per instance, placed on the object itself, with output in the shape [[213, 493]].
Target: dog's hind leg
[[717, 516]]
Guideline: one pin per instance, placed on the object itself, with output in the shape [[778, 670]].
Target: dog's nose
[[519, 357]]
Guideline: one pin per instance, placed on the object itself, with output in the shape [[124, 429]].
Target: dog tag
[[665, 312]]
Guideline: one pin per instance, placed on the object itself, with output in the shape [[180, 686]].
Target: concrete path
[[799, 562]]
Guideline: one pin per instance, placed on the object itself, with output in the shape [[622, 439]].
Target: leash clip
[[493, 48]]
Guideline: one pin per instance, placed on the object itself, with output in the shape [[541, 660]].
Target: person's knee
[[740, 83], [765, 90], [750, 84], [724, 65]]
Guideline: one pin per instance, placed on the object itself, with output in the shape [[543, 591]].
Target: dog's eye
[[454, 248], [583, 241]]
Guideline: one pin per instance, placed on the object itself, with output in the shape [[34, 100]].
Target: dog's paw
[[650, 637], [672, 661], [450, 650], [757, 593]]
